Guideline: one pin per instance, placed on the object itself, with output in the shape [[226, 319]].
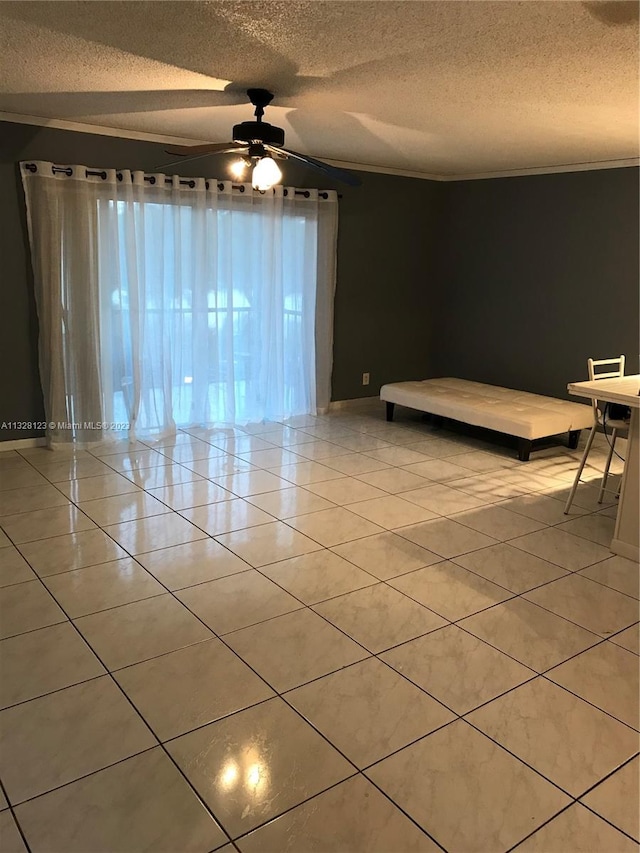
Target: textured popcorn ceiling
[[439, 88]]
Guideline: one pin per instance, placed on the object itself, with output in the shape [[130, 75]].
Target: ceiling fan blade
[[618, 13], [78, 104], [333, 171], [206, 148], [240, 149]]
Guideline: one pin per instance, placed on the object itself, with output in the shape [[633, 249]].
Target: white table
[[625, 390]]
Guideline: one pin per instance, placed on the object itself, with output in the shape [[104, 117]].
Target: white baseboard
[[625, 549], [336, 405], [22, 443]]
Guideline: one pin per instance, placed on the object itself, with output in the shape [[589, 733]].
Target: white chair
[[612, 368]]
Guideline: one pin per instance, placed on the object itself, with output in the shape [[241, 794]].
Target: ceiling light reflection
[[254, 776], [229, 775], [249, 772]]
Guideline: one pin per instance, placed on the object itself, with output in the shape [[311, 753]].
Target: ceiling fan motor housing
[[258, 131]]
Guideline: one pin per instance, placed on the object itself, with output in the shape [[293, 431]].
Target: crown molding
[[595, 165], [591, 166], [144, 136], [98, 129], [384, 170]]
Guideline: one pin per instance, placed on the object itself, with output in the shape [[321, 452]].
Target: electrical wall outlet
[[365, 378]]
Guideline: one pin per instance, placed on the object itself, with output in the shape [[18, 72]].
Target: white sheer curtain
[[167, 302]]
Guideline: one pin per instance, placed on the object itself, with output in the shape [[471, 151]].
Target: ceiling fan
[[259, 144]]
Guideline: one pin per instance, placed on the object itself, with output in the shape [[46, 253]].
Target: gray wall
[[512, 281], [537, 274], [387, 266]]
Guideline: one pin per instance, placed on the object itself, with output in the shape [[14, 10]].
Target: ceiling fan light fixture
[[266, 173], [259, 141]]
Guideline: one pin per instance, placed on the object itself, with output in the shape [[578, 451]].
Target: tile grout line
[[10, 808], [268, 470], [159, 743], [307, 606], [109, 672], [123, 693], [244, 662], [542, 825], [325, 548]]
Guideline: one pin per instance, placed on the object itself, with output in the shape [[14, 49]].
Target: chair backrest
[[604, 368]]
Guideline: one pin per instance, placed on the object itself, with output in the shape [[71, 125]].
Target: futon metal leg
[[574, 438], [524, 449], [390, 408]]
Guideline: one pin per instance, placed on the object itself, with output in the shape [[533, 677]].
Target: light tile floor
[[334, 634]]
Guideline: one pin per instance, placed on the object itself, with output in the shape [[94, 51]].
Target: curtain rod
[[101, 173]]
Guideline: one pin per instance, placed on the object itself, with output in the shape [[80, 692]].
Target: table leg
[[626, 535]]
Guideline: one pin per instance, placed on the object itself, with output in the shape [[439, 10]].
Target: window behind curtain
[[209, 334], [176, 307]]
